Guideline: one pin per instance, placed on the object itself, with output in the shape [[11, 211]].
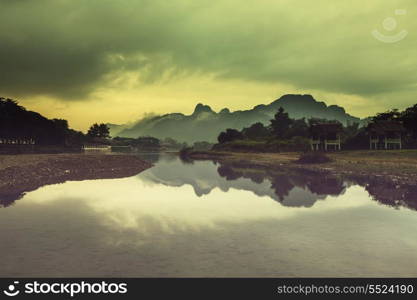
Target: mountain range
[[204, 124]]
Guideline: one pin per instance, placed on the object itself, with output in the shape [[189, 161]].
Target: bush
[[313, 158], [229, 135]]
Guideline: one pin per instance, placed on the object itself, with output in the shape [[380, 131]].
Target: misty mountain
[[205, 125], [115, 129]]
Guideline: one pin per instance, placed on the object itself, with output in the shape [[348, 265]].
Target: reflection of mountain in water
[[204, 176], [289, 187]]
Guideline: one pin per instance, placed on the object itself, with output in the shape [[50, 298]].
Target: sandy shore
[[23, 173]]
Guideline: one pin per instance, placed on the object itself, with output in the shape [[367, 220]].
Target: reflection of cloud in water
[[202, 176]]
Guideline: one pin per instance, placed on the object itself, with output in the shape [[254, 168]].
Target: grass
[[264, 145]]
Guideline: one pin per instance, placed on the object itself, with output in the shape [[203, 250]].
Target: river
[[206, 219]]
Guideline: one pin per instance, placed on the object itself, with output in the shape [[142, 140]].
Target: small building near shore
[[95, 147], [385, 134], [325, 136], [96, 144], [16, 145]]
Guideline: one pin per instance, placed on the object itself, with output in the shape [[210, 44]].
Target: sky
[[116, 61]]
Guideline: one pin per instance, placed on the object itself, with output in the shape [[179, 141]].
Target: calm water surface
[[204, 219]]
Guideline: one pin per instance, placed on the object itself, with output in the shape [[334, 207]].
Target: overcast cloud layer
[[67, 49]]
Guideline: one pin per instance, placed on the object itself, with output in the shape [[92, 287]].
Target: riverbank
[[393, 165], [23, 173]]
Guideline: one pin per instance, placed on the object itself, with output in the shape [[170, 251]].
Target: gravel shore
[[399, 166], [24, 173]]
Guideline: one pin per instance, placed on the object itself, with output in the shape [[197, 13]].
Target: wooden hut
[[325, 136], [385, 134]]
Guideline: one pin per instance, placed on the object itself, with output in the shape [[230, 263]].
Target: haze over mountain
[[205, 125]]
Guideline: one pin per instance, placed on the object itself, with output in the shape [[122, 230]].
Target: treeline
[[407, 117], [286, 134], [18, 123], [152, 143], [281, 134]]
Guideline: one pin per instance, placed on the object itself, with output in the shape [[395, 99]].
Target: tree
[[255, 131], [409, 118], [229, 135], [351, 130], [390, 115], [99, 131], [280, 123], [60, 131], [104, 131], [298, 128]]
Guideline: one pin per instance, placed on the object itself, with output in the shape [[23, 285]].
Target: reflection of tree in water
[[282, 186], [9, 199], [391, 193], [229, 173], [319, 185], [326, 185], [322, 184], [256, 177], [284, 181]]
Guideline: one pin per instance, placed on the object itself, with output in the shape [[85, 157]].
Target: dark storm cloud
[[67, 48], [64, 48]]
